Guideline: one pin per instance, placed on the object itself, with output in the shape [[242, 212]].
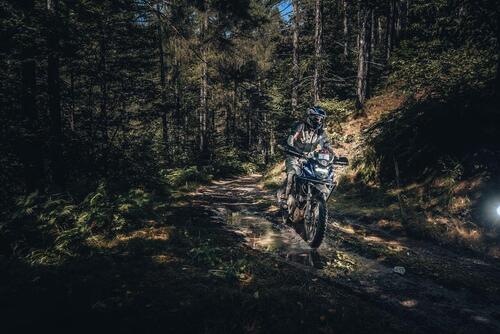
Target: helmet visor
[[316, 120]]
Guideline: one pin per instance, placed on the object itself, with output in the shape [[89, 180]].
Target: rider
[[306, 137]]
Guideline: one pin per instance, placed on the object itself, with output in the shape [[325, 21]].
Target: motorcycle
[[306, 205]]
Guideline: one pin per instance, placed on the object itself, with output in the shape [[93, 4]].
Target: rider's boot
[[289, 182], [286, 193]]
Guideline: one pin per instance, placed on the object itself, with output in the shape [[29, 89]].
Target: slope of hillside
[[411, 172]]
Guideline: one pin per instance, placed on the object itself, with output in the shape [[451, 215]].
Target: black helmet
[[315, 116]]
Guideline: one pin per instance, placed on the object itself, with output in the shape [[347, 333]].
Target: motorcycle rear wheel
[[316, 227]]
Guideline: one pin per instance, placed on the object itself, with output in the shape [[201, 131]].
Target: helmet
[[315, 116]]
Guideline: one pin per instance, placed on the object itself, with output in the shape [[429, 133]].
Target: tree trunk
[[249, 130], [497, 79], [54, 95], [234, 106], [163, 83], [346, 28], [177, 94], [380, 33], [398, 24], [295, 60], [389, 36], [373, 34], [227, 126], [317, 53], [203, 113], [363, 55], [370, 52], [358, 25], [30, 152], [103, 89], [73, 104], [272, 141]]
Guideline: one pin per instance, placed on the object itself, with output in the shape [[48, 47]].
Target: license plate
[[323, 156]]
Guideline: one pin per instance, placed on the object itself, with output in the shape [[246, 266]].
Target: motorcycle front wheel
[[315, 226]]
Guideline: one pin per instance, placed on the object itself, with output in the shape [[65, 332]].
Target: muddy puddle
[[262, 234]]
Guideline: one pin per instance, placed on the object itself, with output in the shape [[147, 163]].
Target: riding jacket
[[304, 138]]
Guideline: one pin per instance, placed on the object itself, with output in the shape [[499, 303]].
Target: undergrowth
[[47, 229], [446, 158]]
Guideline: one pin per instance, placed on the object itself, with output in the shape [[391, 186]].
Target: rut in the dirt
[[446, 291]]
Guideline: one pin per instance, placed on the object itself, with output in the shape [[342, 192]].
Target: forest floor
[[441, 290], [221, 262]]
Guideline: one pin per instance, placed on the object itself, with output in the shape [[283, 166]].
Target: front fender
[[322, 189]]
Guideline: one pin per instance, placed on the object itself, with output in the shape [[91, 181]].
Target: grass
[[273, 177]]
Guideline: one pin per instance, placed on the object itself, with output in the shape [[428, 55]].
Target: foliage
[[415, 137], [231, 161], [182, 176], [444, 74], [48, 229]]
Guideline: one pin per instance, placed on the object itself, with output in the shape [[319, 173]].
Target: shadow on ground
[[206, 267]]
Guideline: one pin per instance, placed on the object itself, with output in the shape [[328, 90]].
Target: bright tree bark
[[163, 83], [203, 112], [363, 57], [317, 53], [497, 79], [389, 37], [295, 56], [346, 28]]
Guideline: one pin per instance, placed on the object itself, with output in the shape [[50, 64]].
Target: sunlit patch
[[494, 251], [342, 261], [347, 229], [389, 225], [459, 204], [468, 234], [222, 182], [163, 234], [373, 238], [272, 209], [270, 241], [162, 259], [234, 218], [409, 303], [244, 189], [245, 278]]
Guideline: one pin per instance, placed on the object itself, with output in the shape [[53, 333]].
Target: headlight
[[498, 210], [321, 172]]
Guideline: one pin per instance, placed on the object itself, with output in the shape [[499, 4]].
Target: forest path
[[441, 290]]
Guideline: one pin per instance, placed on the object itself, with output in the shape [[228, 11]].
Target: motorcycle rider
[[306, 137]]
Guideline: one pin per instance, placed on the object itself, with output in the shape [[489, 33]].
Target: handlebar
[[289, 150], [341, 161]]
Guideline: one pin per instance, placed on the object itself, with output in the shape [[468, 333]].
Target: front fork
[[307, 213], [330, 192]]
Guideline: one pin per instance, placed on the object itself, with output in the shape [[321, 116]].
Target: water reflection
[[260, 233]]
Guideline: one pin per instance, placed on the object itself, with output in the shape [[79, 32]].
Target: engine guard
[[325, 190]]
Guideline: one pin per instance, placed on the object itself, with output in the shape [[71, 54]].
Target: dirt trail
[[441, 290]]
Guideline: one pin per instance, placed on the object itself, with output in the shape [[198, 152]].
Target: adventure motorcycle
[[311, 189]]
